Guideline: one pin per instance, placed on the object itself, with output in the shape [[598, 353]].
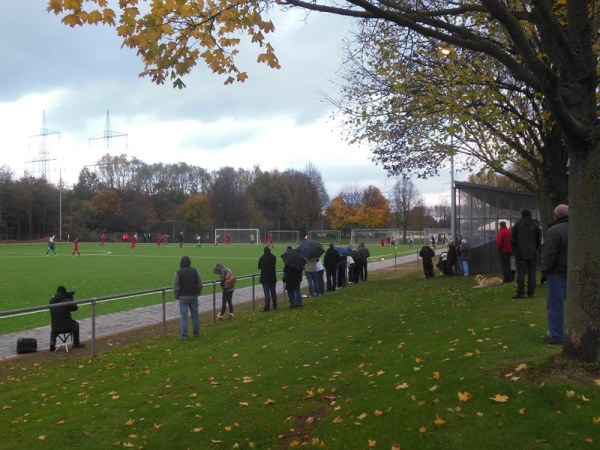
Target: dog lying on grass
[[486, 282]]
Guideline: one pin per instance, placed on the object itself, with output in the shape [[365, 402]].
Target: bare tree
[[405, 198]]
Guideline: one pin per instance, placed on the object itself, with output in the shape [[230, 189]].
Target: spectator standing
[[330, 261], [320, 288], [268, 278], [363, 261], [227, 281], [187, 287], [61, 320], [464, 251], [504, 248], [554, 268], [292, 277], [525, 238], [310, 270], [426, 253], [451, 259]]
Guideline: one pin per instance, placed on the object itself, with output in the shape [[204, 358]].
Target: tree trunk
[[582, 308]]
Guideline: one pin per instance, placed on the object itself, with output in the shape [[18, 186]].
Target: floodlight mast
[[108, 135]]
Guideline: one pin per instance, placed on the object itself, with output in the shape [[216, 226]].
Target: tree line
[[127, 195]]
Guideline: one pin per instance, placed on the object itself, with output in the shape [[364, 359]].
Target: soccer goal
[[283, 236], [230, 236], [326, 236], [372, 235]]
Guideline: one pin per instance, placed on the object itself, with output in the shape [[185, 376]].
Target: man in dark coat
[[427, 255], [268, 278], [330, 261], [187, 286], [451, 259], [292, 277], [554, 268], [526, 238], [61, 320]]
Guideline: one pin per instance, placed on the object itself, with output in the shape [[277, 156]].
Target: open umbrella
[[342, 251], [311, 249], [294, 258]]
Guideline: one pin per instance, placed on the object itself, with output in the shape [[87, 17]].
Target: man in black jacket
[[526, 238], [330, 261], [268, 278], [62, 322], [187, 287], [554, 268]]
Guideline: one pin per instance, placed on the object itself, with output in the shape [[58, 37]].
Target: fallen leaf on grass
[[422, 429], [244, 403], [570, 394], [499, 398], [596, 420], [41, 437], [522, 411], [269, 401], [464, 396], [362, 416], [436, 376], [439, 421], [130, 422], [338, 419], [378, 412], [521, 367], [402, 386], [372, 443]]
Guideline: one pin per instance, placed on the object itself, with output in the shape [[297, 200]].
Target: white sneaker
[[230, 316], [220, 317]]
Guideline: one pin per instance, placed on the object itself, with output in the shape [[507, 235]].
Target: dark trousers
[[526, 267], [227, 300], [331, 274], [73, 329], [505, 263], [428, 268], [270, 295], [361, 269]]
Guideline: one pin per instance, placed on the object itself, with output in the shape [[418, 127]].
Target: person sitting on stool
[[61, 318]]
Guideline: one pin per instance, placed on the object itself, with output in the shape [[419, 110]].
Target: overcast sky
[[277, 119]]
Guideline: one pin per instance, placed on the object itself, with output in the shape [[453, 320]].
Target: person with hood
[[187, 287], [268, 278], [362, 262], [330, 261], [427, 255], [554, 268], [227, 281], [526, 239], [292, 277], [61, 320], [504, 248]]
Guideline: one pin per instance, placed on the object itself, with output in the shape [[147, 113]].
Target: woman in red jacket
[[505, 250]]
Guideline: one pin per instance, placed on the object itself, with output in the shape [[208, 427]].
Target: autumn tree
[[356, 208], [549, 46], [405, 198]]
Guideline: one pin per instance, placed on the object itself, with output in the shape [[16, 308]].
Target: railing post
[[94, 350], [164, 313], [214, 295], [253, 293]]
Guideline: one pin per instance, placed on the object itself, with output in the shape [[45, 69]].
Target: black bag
[[26, 345]]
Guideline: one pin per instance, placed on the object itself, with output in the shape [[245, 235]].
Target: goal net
[[373, 235], [326, 236], [237, 236], [284, 236]]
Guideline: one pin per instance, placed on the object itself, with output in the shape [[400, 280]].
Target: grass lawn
[[29, 277], [397, 362]]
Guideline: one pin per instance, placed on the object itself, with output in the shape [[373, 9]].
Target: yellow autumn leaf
[[521, 367], [522, 411], [380, 372], [499, 398], [436, 376], [362, 416], [157, 425], [433, 388], [396, 447], [60, 422], [130, 422], [464, 396], [377, 412], [372, 443], [570, 394], [228, 428], [439, 421], [128, 444], [193, 395], [244, 403], [269, 401], [402, 386], [596, 420], [41, 437], [422, 429], [197, 429], [468, 354], [338, 419]]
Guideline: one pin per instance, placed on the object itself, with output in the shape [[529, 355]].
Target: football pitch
[[30, 277]]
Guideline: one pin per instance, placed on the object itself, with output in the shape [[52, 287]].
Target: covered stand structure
[[479, 211]]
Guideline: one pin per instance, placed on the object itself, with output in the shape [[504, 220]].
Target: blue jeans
[[192, 306], [270, 295], [557, 293], [311, 279], [465, 267]]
